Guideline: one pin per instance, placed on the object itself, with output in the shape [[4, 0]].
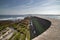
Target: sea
[[11, 17], [15, 17]]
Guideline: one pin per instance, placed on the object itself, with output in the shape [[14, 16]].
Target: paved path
[[53, 33]]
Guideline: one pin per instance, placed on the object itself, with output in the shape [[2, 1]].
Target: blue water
[[11, 16]]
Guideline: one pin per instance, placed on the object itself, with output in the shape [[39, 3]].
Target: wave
[[11, 18]]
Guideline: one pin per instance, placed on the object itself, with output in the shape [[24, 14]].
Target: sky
[[18, 7]]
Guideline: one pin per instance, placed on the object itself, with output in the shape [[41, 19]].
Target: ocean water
[[14, 17], [11, 17]]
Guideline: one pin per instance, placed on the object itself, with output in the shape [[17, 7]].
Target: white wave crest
[[12, 18]]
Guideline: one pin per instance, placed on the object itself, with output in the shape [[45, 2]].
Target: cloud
[[30, 2], [41, 7]]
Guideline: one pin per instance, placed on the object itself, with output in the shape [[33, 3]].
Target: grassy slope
[[22, 29], [38, 26]]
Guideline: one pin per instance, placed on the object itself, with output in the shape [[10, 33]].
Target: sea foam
[[11, 18]]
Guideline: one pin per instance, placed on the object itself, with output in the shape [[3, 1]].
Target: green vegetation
[[17, 36], [21, 28], [22, 36], [2, 27], [28, 35], [38, 26], [12, 36]]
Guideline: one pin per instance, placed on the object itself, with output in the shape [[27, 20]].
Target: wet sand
[[52, 33]]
